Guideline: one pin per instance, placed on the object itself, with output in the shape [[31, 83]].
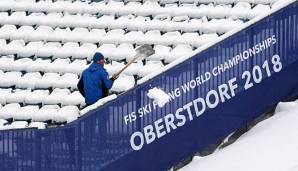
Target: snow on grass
[[271, 145], [159, 96]]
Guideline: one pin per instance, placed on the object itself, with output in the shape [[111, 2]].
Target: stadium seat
[[28, 80], [9, 110], [36, 96]]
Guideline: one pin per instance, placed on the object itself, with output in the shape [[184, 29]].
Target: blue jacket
[[96, 82]]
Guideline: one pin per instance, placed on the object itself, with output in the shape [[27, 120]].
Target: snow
[[270, 145], [159, 96], [99, 103], [38, 125]]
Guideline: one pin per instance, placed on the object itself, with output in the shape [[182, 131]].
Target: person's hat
[[97, 57]]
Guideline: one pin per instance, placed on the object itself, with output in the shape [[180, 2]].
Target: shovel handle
[[115, 76]]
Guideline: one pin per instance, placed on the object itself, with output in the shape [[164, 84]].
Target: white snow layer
[[270, 145], [159, 96], [99, 103]]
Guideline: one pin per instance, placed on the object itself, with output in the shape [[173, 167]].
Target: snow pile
[[270, 145], [159, 96], [99, 103]]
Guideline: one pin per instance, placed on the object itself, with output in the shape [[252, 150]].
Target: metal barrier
[[213, 93]]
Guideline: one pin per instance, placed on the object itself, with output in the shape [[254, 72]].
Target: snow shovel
[[142, 52]]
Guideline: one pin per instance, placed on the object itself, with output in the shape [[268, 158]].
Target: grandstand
[[45, 45]]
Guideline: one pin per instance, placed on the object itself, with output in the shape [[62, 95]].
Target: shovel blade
[[145, 50]]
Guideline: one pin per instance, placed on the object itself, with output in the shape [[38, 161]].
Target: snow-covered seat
[[121, 22], [67, 80], [187, 38], [16, 18], [21, 64], [97, 6], [58, 66], [77, 35], [94, 36], [113, 7], [3, 16], [38, 125], [113, 36], [40, 6], [71, 20], [151, 37], [28, 80], [132, 37], [7, 30], [26, 112], [36, 96], [18, 96], [6, 5], [59, 6], [177, 52], [3, 122], [75, 98], [14, 47], [225, 25], [76, 67], [177, 23], [67, 50], [45, 113], [41, 33], [38, 65], [123, 51], [169, 38], [170, 9], [240, 10], [220, 11], [258, 10], [9, 110], [30, 49], [85, 51], [76, 7], [161, 52], [150, 67], [66, 114], [204, 39], [104, 21], [48, 80], [4, 94], [9, 78], [57, 96], [51, 19], [48, 49], [59, 34], [6, 63], [107, 50], [123, 83], [130, 8], [159, 22], [139, 23], [193, 25], [149, 8], [33, 19]]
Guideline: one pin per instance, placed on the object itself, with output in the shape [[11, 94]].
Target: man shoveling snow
[[95, 82]]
